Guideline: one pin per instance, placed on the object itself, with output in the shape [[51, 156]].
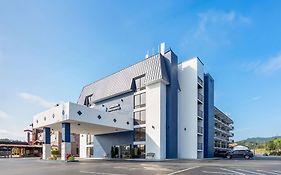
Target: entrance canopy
[[82, 119]]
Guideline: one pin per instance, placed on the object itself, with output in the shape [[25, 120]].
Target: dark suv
[[247, 154]]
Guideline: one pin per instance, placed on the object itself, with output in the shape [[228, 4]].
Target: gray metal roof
[[121, 82]]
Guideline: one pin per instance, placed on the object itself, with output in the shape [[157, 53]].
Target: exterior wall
[[69, 112], [188, 137], [107, 118], [208, 116], [103, 143], [172, 105], [156, 120], [125, 102]]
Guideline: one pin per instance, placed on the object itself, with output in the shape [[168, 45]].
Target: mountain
[[256, 141]]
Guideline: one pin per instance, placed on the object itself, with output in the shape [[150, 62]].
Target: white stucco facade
[[188, 106], [156, 123]]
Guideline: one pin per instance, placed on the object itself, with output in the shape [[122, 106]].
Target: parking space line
[[252, 172], [269, 172], [215, 172], [235, 172], [180, 171], [99, 173]]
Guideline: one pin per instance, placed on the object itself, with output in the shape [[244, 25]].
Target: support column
[[66, 144], [47, 143]]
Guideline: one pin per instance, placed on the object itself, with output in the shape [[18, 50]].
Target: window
[[139, 100], [139, 134], [139, 151], [140, 83], [139, 117], [88, 100], [89, 139]]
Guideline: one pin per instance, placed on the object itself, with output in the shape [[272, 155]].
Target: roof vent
[[162, 48]]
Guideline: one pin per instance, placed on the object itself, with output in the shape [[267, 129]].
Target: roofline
[[191, 59], [209, 75], [223, 113], [117, 72], [169, 50]]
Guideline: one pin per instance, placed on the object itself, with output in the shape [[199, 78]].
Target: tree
[[270, 146]]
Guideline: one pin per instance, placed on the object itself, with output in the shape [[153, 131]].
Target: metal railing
[[200, 96], [200, 129], [200, 146], [200, 113], [200, 81]]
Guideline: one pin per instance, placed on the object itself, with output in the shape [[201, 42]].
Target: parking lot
[[30, 166]]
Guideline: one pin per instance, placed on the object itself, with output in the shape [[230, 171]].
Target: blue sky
[[50, 49]]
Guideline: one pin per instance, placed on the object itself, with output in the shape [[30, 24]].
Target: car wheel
[[247, 157], [228, 156]]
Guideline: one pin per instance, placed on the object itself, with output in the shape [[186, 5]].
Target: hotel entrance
[[121, 151], [128, 151]]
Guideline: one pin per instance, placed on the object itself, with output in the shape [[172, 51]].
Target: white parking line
[[215, 172], [236, 172], [252, 172], [269, 172], [180, 171], [99, 173]]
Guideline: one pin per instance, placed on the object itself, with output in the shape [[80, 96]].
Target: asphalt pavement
[[34, 166]]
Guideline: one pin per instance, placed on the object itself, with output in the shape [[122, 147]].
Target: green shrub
[[55, 152], [71, 158]]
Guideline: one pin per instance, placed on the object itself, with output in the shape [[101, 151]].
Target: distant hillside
[[256, 141], [8, 141]]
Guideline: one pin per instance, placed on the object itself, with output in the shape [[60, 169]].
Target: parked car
[[247, 154], [221, 152]]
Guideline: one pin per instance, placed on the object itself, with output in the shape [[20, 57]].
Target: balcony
[[200, 146], [200, 113], [200, 81], [200, 97], [200, 130]]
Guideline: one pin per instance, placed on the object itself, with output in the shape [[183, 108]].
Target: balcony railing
[[200, 81], [200, 96], [200, 113], [200, 146], [200, 129]]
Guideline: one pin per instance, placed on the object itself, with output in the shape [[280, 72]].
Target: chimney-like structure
[[162, 48]]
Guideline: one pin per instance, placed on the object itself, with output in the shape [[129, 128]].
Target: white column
[[156, 120], [46, 151], [65, 150], [83, 144], [66, 143], [46, 146]]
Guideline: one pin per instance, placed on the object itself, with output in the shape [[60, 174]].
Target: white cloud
[[37, 100], [213, 30], [270, 65], [213, 17], [4, 115], [12, 134], [273, 64]]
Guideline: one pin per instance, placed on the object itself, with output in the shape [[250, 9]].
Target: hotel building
[[152, 109]]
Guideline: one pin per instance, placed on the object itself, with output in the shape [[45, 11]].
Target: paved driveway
[[104, 167]]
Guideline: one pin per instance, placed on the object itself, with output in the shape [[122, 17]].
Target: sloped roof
[[121, 82]]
